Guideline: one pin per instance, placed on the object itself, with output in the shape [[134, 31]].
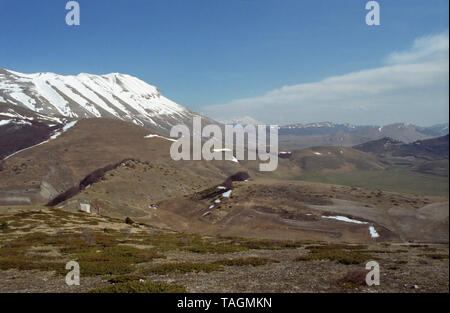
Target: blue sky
[[214, 56]]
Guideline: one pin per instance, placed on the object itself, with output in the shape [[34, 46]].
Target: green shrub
[[125, 278], [113, 267], [127, 253], [219, 248]]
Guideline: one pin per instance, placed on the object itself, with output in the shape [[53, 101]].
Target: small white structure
[[85, 206]]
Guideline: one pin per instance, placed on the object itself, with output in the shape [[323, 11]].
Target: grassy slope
[[395, 179]]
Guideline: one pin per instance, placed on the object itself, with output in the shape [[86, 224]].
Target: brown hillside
[[334, 159], [40, 173]]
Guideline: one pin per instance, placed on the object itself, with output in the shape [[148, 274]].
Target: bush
[[353, 279]]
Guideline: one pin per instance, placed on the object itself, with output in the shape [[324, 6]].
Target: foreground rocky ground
[[115, 256]]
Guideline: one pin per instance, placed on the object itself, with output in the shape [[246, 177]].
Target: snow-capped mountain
[[113, 95]]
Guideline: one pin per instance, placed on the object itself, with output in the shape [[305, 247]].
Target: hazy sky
[[276, 61]]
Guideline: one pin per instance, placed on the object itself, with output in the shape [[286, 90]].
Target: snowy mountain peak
[[113, 95]]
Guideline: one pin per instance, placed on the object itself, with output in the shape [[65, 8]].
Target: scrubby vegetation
[[125, 278], [188, 267], [124, 256], [167, 241], [98, 252], [339, 253], [252, 261], [141, 287], [113, 260], [436, 256], [107, 251], [182, 268], [353, 279]]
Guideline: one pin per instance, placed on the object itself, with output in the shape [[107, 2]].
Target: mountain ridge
[[114, 95], [428, 149], [330, 128]]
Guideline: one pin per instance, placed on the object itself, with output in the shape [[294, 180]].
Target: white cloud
[[424, 49], [411, 87]]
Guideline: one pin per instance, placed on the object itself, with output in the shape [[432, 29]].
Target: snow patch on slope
[[372, 230], [344, 219], [227, 194], [158, 136], [64, 129]]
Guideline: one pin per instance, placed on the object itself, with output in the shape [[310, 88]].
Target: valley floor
[[392, 179]]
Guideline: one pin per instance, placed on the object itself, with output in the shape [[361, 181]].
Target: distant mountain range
[[296, 136], [406, 131]]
